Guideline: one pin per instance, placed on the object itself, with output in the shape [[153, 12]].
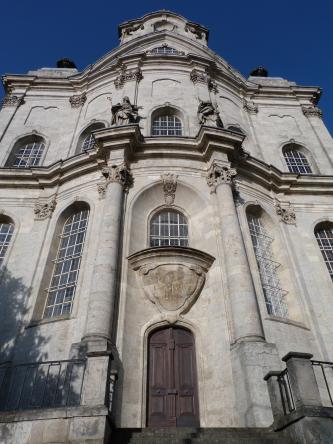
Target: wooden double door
[[172, 379]]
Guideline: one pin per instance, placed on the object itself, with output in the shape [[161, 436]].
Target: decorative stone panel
[[12, 100], [78, 100], [171, 277], [169, 187], [312, 111], [286, 213], [44, 210]]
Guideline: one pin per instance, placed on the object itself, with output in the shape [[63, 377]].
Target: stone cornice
[[131, 146]]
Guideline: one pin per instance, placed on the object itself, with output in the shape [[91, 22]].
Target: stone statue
[[124, 113], [209, 115]]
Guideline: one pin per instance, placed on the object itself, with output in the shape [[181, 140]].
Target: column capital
[[120, 173], [218, 174]]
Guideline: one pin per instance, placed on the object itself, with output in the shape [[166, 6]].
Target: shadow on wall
[[27, 379]]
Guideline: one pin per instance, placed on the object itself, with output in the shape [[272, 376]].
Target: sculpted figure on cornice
[[130, 29], [208, 114], [196, 31], [124, 113]]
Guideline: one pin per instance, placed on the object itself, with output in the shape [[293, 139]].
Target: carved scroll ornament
[[169, 187], [287, 214], [43, 210]]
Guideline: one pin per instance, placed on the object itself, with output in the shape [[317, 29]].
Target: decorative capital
[[219, 174], [44, 210], [250, 107], [115, 174], [287, 214], [11, 100], [312, 111], [78, 100], [198, 76], [169, 187], [126, 76]]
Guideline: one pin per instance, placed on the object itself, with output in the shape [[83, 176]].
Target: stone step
[[197, 436]]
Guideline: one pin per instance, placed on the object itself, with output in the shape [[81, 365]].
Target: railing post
[[274, 393], [302, 379]]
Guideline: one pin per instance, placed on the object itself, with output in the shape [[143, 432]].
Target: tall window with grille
[[167, 125], [169, 228], [296, 161], [88, 143], [6, 233], [61, 291], [324, 236], [28, 153], [262, 244]]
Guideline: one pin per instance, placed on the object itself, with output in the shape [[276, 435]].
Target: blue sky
[[293, 39]]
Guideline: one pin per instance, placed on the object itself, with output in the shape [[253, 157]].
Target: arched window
[[66, 264], [296, 160], [168, 228], [27, 152], [167, 125], [86, 139], [262, 244], [6, 233], [165, 50], [324, 236]]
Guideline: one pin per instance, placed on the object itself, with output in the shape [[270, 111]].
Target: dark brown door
[[172, 379]]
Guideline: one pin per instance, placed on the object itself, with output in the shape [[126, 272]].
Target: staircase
[[198, 436]]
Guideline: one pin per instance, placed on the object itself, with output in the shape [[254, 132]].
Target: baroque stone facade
[[163, 211]]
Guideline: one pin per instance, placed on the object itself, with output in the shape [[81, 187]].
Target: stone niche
[[171, 277]]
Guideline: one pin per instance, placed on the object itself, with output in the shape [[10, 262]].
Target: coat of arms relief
[[171, 277]]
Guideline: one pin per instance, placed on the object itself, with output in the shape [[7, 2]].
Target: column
[[245, 312], [105, 274]]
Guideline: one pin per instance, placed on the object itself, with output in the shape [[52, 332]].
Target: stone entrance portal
[[172, 379]]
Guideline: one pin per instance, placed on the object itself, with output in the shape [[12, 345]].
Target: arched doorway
[[172, 379]]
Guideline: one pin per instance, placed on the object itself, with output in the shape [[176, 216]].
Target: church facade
[[166, 245]]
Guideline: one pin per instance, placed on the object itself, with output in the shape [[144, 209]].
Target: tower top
[[162, 21]]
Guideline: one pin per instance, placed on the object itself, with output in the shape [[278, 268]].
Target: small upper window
[[6, 233], [27, 153], [165, 50], [296, 161], [167, 125], [169, 228], [86, 139], [324, 236]]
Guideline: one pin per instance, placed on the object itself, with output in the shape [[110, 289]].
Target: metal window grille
[[6, 232], [165, 50], [88, 143], [324, 238], [167, 126], [60, 294], [262, 244], [29, 155], [169, 228], [297, 162]]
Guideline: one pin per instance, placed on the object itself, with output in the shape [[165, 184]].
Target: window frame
[[295, 146], [321, 226], [5, 218], [85, 133], [21, 142], [161, 209]]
